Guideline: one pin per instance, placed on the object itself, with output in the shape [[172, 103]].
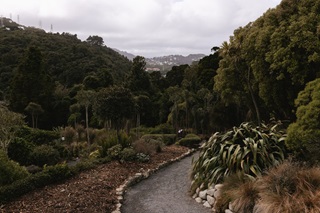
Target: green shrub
[[304, 135], [128, 154], [58, 172], [106, 141], [114, 152], [37, 136], [163, 129], [44, 154], [19, 150], [147, 147], [167, 139], [246, 149], [69, 134], [190, 140], [123, 139], [10, 171]]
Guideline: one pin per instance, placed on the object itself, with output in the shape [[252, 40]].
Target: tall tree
[[35, 110], [85, 98], [31, 83], [115, 104], [138, 79]]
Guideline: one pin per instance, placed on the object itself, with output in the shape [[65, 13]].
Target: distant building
[[148, 69]]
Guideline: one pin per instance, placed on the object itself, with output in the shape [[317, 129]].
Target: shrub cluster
[[37, 136]]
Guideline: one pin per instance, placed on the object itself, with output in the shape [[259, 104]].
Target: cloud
[[144, 27]]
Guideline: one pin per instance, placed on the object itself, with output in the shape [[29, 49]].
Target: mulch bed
[[90, 191]]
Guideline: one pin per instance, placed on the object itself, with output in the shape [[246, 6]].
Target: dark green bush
[[106, 140], [37, 136], [19, 150], [163, 129], [167, 139], [128, 154], [190, 140], [10, 171], [58, 172], [44, 154], [304, 135]]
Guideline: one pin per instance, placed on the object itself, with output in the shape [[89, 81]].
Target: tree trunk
[[87, 125]]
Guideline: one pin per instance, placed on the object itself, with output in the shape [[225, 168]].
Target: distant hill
[[67, 59], [165, 62]]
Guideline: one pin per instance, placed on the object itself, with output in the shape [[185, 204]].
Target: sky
[[147, 28]]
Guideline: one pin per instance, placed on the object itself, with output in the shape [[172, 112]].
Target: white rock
[[211, 200], [230, 206], [197, 190], [211, 192], [198, 200], [217, 194], [194, 196], [228, 211], [218, 186], [203, 194], [206, 204]]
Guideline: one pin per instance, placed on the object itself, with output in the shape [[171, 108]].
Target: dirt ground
[[90, 191]]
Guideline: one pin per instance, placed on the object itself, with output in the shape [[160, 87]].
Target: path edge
[[138, 177]]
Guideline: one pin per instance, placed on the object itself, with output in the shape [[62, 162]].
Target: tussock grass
[[287, 188]]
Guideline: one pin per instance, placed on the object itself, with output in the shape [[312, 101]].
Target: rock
[[203, 194], [194, 196], [197, 190], [206, 204], [217, 194], [211, 200], [218, 186], [198, 200], [230, 206], [211, 191], [228, 211]]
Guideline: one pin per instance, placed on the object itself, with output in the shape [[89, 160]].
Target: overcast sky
[[142, 27]]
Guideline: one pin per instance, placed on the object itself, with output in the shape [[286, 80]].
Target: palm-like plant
[[246, 150]]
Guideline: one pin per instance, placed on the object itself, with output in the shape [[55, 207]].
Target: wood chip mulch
[[90, 191]]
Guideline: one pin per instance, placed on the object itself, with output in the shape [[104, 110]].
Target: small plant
[[128, 154], [115, 152], [143, 158], [246, 149], [44, 154]]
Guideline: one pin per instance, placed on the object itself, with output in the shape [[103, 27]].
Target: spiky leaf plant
[[246, 150]]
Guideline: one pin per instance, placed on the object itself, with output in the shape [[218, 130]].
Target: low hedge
[[167, 139], [190, 140], [49, 175]]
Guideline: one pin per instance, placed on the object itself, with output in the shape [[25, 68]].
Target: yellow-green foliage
[[304, 134]]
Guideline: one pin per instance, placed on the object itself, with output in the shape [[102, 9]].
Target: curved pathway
[[166, 191]]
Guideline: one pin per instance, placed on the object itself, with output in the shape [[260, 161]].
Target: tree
[[138, 79], [115, 104], [85, 98], [31, 83], [95, 40], [35, 110], [9, 121]]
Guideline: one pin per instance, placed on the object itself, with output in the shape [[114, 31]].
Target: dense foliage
[[245, 150], [304, 134]]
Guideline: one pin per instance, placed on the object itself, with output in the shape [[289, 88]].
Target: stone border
[[138, 177]]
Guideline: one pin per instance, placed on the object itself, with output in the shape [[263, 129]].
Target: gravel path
[[166, 191]]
